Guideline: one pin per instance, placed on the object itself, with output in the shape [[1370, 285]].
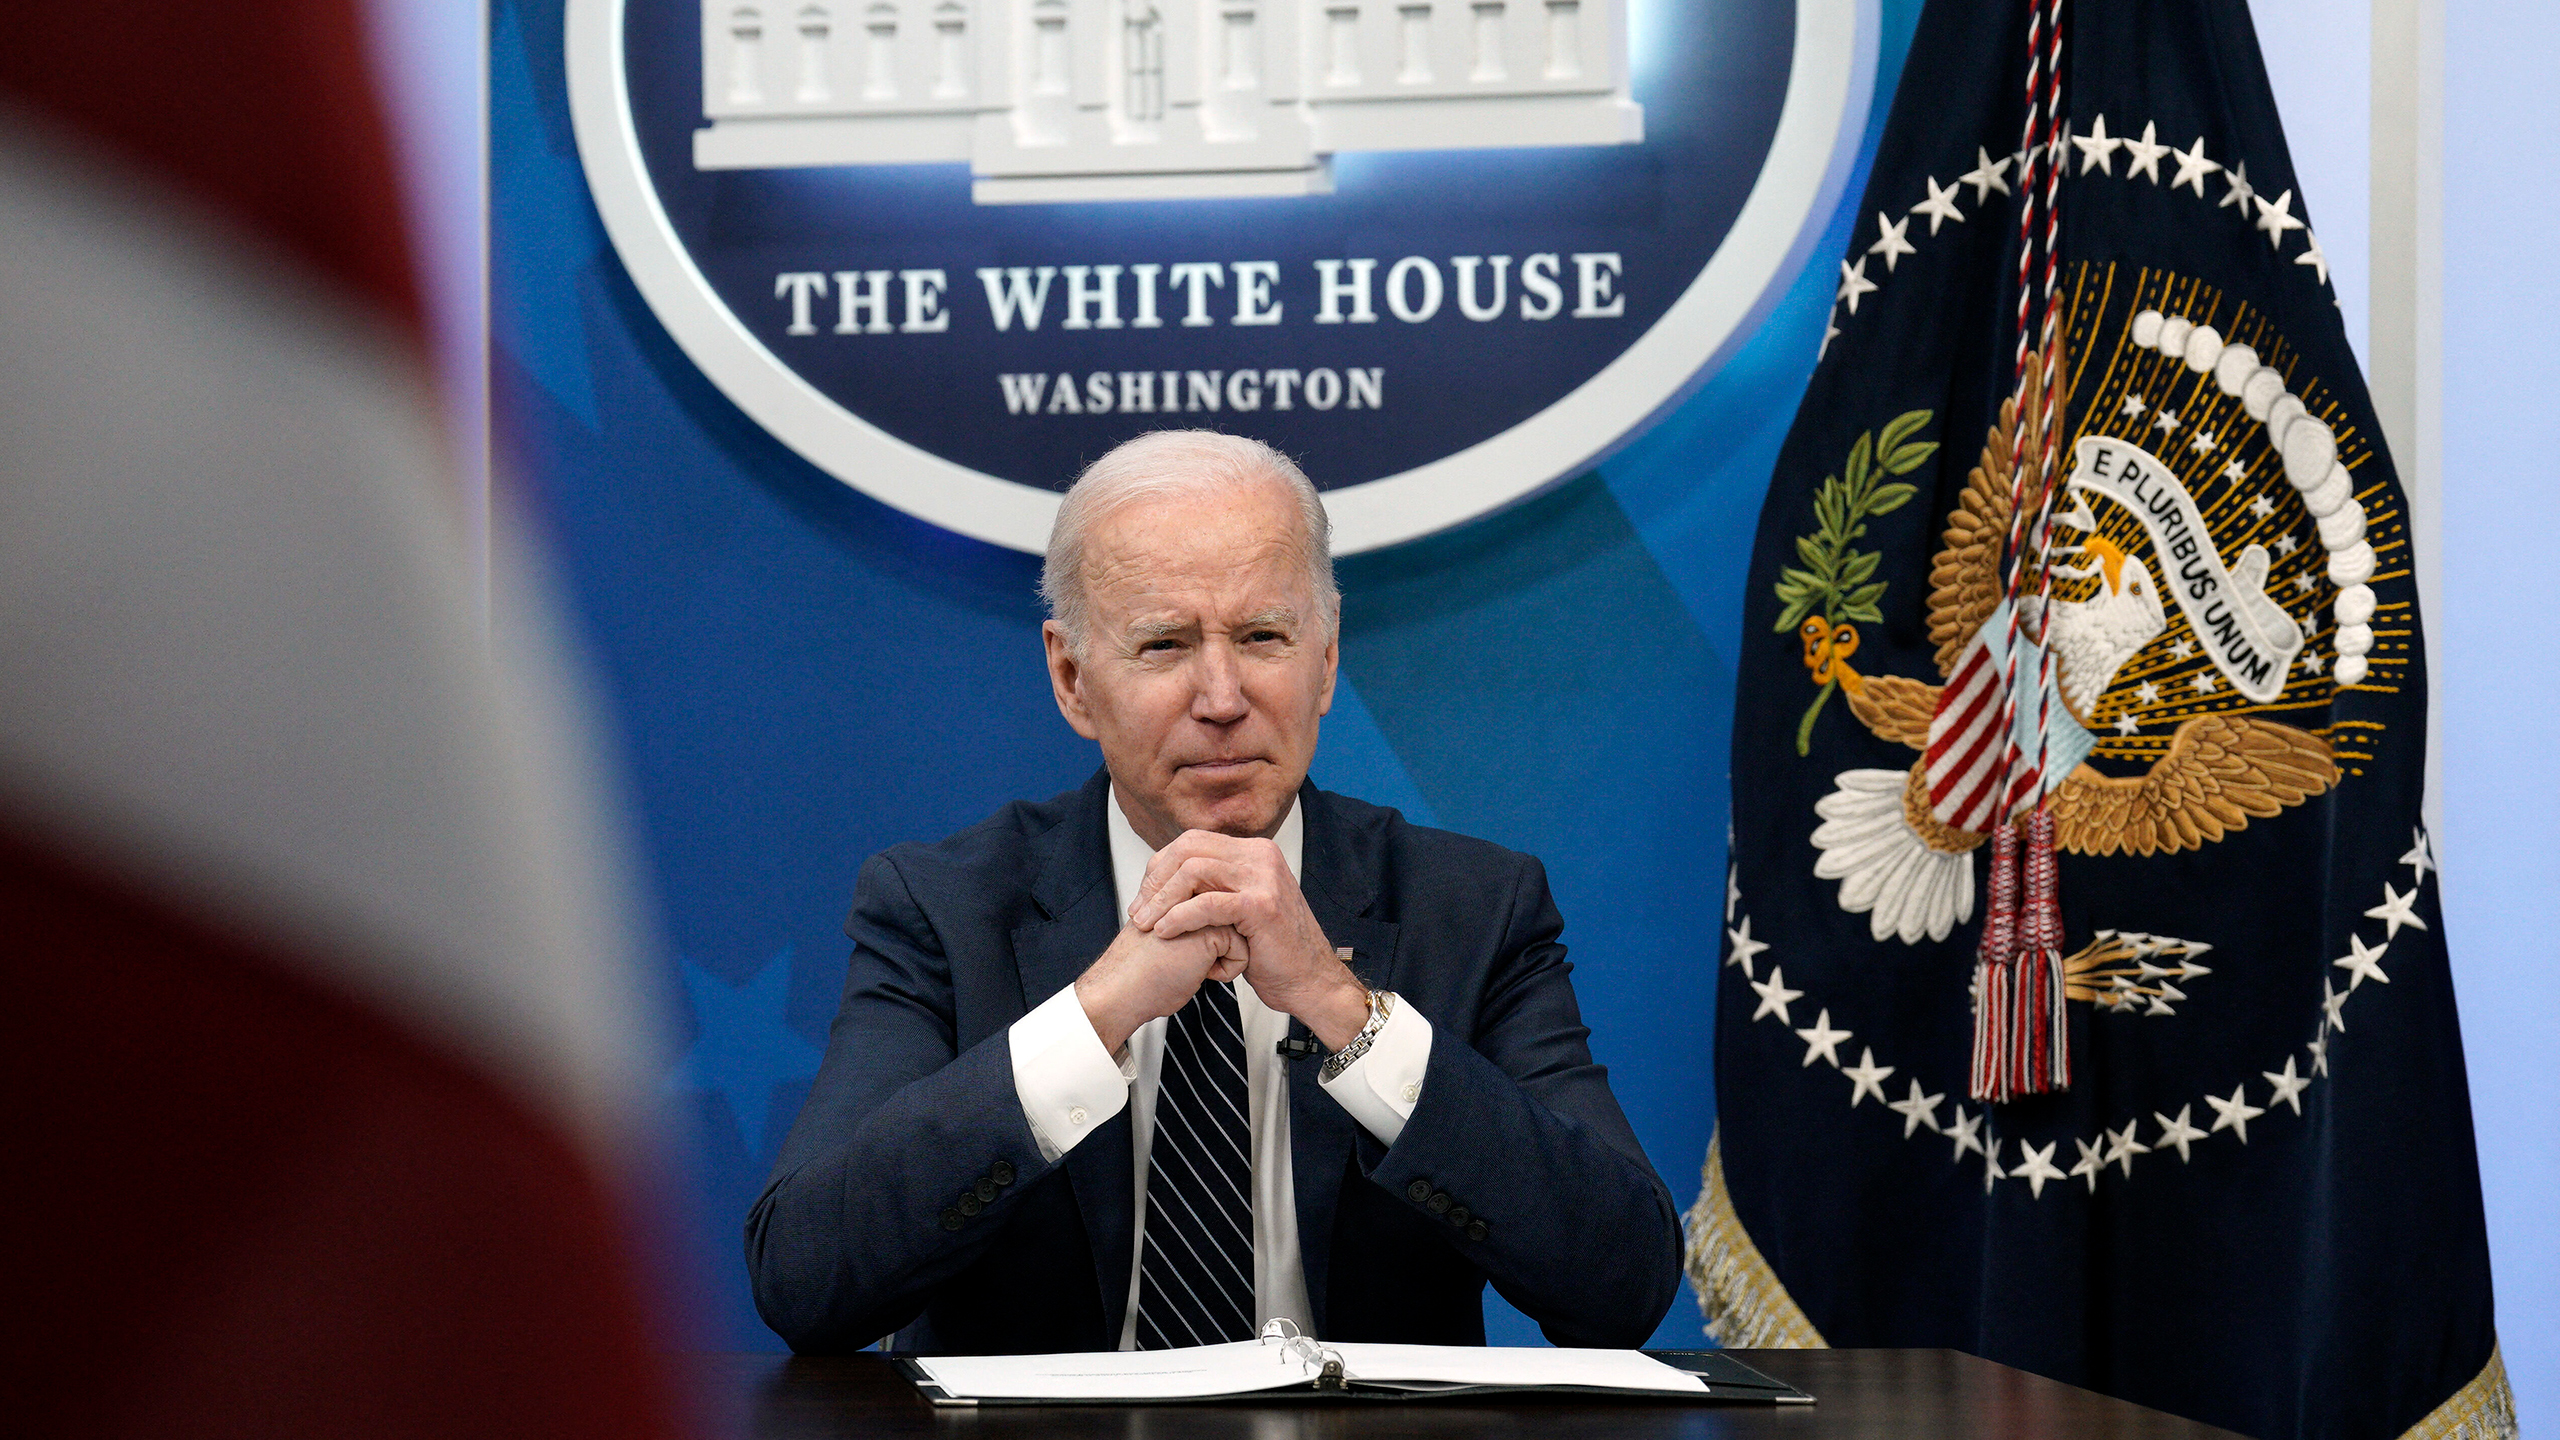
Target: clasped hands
[[1213, 907]]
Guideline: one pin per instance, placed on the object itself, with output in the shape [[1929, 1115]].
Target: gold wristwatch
[[1382, 1003]]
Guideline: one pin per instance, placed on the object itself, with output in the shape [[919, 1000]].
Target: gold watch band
[[1382, 1003]]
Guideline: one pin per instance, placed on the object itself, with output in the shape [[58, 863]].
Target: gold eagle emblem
[[1914, 874]]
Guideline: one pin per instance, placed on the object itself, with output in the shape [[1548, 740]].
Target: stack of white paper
[[1249, 1366]]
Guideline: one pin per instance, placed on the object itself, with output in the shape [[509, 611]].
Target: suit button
[[1439, 1202], [951, 1220], [985, 1190], [1418, 1191], [1478, 1230], [1459, 1217], [971, 1205], [1001, 1172]]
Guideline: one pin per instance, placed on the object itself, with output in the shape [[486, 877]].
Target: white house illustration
[[1051, 100]]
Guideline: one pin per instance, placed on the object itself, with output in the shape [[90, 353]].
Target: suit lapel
[[1338, 874], [1072, 885]]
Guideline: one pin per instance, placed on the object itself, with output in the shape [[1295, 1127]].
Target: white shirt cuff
[[1067, 1083], [1381, 1088]]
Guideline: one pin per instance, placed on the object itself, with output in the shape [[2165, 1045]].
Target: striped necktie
[[1196, 1277]]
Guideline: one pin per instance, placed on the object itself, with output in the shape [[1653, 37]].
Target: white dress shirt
[[1069, 1086]]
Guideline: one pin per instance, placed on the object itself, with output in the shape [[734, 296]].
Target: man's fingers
[[1196, 875], [1185, 846], [1203, 844], [1228, 949], [1207, 910]]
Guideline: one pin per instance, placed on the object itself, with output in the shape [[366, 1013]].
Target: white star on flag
[[1984, 177], [2193, 168], [1774, 995], [2204, 442], [2319, 1048], [2313, 257], [2097, 148], [2362, 964], [2142, 157], [2277, 218], [2235, 472], [2092, 1161], [2204, 682], [1854, 283], [1732, 891], [2166, 420], [2421, 856], [2303, 582], [1941, 204], [2122, 1147], [2334, 1001], [2289, 1086], [1966, 1133], [2310, 657], [2147, 693], [2036, 1166], [1867, 1077], [1830, 332], [1889, 240], [1822, 1042], [2284, 546], [2177, 1132], [2182, 649], [2261, 506], [2395, 911], [2133, 405], [2235, 1113], [1744, 949], [1991, 1171], [1918, 1109], [2241, 192], [2125, 725]]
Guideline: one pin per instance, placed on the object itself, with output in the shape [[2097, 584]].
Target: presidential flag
[[2084, 1001]]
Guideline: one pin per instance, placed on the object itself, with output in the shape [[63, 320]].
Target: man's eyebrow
[[1142, 631], [1279, 616]]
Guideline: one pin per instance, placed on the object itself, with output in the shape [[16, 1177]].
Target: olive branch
[[1835, 583]]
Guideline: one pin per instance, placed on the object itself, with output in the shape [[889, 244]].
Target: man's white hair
[[1166, 463]]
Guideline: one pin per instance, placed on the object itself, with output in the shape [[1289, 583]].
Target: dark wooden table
[[1913, 1393]]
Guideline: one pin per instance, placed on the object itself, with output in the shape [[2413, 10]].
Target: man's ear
[[1332, 666], [1066, 678]]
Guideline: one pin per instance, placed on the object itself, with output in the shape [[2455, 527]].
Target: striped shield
[[1966, 758]]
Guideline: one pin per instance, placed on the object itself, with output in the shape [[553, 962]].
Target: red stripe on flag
[[1967, 804], [1964, 734], [263, 109], [1966, 720], [247, 1205]]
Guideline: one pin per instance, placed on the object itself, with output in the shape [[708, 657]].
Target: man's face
[[1205, 672]]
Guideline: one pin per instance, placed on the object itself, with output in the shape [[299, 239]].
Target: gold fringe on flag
[[1747, 1309], [1745, 1306], [2485, 1409]]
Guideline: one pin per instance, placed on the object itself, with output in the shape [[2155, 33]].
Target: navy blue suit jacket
[[911, 1196]]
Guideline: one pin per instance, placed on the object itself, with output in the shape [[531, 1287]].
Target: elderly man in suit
[[1200, 1046]]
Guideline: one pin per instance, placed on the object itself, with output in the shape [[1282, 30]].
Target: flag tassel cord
[[2021, 1019]]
